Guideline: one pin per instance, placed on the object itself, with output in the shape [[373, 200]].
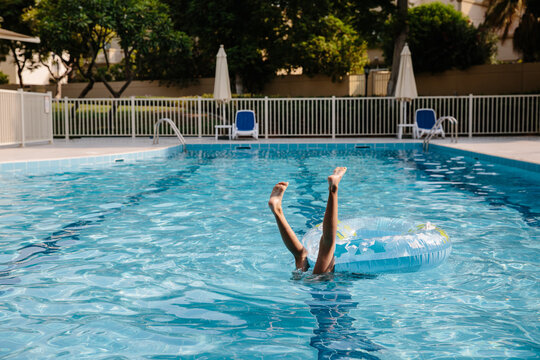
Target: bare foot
[[276, 196], [335, 178]]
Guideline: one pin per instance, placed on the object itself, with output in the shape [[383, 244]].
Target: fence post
[[50, 117], [133, 128], [23, 135], [66, 118], [470, 114], [266, 117], [199, 116], [333, 117]]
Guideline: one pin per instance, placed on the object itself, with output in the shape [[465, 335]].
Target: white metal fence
[[294, 117], [25, 117]]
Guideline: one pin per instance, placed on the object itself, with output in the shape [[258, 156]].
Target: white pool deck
[[522, 148]]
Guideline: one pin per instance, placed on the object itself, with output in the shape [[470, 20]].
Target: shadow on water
[[29, 254], [335, 336], [313, 212]]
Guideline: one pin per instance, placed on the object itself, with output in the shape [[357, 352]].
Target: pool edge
[[74, 163], [524, 165]]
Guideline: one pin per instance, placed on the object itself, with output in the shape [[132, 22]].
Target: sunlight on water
[[182, 258]]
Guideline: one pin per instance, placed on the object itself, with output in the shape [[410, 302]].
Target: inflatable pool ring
[[382, 245]]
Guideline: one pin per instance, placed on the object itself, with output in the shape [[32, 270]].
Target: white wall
[[37, 76], [8, 68]]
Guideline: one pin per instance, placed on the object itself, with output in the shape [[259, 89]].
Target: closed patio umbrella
[[406, 85], [222, 85]]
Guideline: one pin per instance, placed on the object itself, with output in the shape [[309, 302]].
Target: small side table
[[400, 130], [228, 127]]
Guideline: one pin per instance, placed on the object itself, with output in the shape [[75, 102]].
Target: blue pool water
[[181, 258]]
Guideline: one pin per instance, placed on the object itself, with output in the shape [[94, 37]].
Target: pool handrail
[[175, 129], [453, 130]]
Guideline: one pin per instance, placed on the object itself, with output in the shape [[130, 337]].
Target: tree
[[249, 30], [72, 31], [145, 33], [367, 17], [441, 38], [261, 36], [321, 39], [331, 47], [11, 12], [500, 14], [398, 35], [77, 32]]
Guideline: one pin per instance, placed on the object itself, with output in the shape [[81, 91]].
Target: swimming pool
[[180, 257]]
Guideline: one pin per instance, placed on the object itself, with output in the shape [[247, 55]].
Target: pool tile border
[[45, 166], [303, 146], [37, 167]]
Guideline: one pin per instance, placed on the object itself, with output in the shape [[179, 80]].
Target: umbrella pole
[[223, 114], [405, 112], [402, 115]]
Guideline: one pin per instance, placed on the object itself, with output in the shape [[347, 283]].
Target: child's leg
[[287, 234], [327, 245]]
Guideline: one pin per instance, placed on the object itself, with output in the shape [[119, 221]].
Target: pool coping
[[75, 163], [500, 160]]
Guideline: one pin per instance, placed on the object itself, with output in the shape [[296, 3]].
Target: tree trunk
[[238, 84], [83, 93], [58, 89], [87, 89], [20, 67], [399, 43], [19, 74]]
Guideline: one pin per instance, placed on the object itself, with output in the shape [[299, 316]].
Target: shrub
[[441, 38], [4, 79]]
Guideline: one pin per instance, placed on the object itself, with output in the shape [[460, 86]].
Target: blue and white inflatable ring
[[382, 245]]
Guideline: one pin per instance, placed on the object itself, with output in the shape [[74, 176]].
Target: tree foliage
[[3, 78], [79, 31], [332, 48], [179, 39], [151, 48], [73, 31], [321, 39], [500, 14], [11, 12], [260, 37], [249, 30], [441, 38], [366, 17]]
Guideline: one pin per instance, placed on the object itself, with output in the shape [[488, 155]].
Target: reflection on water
[[335, 336]]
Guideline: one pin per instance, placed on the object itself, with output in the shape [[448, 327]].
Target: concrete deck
[[522, 148]]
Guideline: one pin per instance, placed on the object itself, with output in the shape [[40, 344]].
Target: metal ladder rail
[[175, 129], [453, 130]]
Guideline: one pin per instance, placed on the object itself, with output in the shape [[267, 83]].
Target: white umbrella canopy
[[406, 85], [222, 85], [12, 35]]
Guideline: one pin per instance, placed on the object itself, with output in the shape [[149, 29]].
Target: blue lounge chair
[[245, 124], [425, 123]]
